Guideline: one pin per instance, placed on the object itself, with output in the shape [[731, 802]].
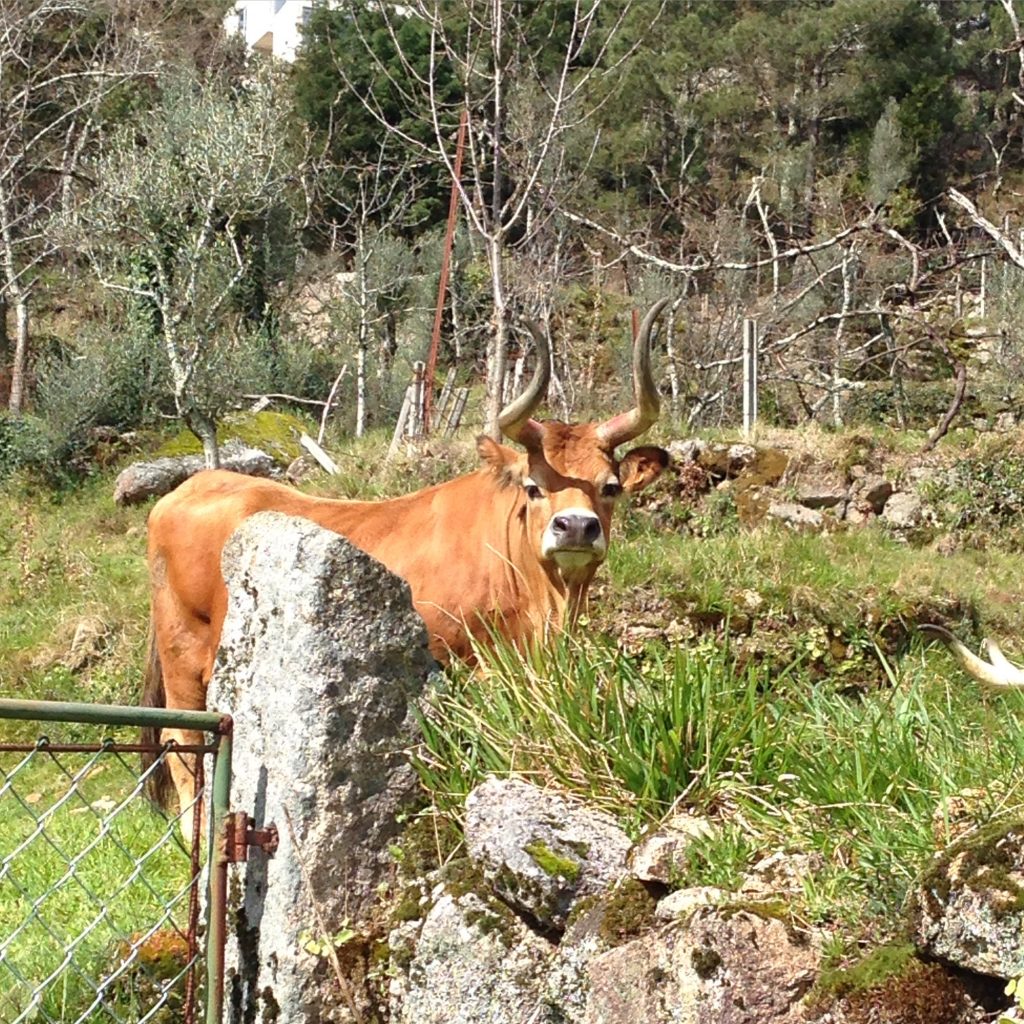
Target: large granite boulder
[[142, 480], [321, 655]]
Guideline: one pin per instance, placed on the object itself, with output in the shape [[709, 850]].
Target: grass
[[65, 556], [91, 878], [99, 873], [775, 760]]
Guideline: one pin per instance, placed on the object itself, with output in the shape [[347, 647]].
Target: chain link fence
[[104, 914]]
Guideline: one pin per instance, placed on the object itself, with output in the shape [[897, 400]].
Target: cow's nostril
[[560, 524], [592, 530]]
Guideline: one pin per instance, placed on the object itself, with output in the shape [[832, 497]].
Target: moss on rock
[[878, 967], [627, 911], [980, 860], [552, 863], [276, 433]]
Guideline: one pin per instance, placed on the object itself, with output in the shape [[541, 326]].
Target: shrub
[[24, 443], [982, 493]]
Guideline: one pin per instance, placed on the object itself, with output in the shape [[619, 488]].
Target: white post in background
[[749, 375]]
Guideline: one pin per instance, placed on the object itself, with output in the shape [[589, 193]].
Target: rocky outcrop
[[803, 493], [621, 952], [321, 655]]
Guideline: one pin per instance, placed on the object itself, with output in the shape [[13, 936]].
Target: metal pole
[[749, 375], [109, 714], [218, 885], [446, 258]]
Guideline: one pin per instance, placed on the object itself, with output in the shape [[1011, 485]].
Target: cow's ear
[[506, 462], [642, 466]]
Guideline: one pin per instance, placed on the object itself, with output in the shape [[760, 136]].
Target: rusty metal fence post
[[100, 893]]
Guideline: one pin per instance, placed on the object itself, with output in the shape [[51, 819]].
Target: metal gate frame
[[225, 844]]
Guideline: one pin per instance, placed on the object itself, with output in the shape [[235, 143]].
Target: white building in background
[[271, 26]]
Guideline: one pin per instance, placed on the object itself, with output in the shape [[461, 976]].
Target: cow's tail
[[158, 779]]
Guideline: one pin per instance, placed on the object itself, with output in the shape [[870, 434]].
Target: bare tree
[[57, 66], [524, 75], [370, 200]]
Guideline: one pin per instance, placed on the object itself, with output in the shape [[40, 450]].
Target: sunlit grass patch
[[92, 880]]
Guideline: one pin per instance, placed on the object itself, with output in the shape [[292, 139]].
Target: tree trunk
[[5, 338], [19, 366], [363, 332], [670, 351], [959, 389], [206, 430], [496, 360], [497, 343]]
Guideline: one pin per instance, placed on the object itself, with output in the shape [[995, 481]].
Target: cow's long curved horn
[[515, 420], [997, 672], [642, 416]]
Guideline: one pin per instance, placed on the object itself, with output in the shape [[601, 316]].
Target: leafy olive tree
[[186, 203]]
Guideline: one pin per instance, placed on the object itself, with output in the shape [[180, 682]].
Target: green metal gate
[[107, 912]]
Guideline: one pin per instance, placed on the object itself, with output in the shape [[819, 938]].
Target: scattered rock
[[91, 638], [302, 468], [686, 451], [873, 491], [795, 516], [858, 513], [143, 480], [780, 873], [819, 486], [660, 856], [904, 511], [683, 902], [740, 457], [968, 908], [540, 850]]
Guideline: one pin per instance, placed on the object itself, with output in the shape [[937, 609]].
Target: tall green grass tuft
[[631, 735], [775, 759]]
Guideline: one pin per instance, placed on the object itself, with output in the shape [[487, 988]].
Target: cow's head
[[569, 476]]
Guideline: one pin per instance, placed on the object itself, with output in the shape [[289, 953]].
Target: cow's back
[[189, 527]]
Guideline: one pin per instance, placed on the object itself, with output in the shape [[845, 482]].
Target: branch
[[987, 226]]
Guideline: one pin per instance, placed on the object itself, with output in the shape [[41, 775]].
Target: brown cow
[[510, 548]]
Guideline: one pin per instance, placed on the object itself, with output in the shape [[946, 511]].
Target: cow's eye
[[612, 489], [533, 492]]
